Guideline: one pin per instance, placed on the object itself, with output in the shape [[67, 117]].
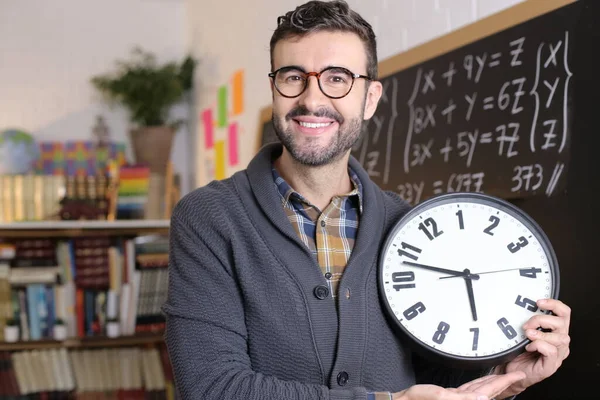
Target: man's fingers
[[555, 339], [551, 322], [559, 309], [542, 347], [556, 306]]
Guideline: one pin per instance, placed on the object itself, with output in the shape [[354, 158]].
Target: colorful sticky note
[[207, 121], [222, 107], [237, 86], [232, 143], [220, 159]]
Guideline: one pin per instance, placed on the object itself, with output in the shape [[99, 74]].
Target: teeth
[[314, 125]]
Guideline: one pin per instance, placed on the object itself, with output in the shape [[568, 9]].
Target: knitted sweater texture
[[243, 317]]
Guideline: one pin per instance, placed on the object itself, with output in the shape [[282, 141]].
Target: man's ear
[[373, 95]]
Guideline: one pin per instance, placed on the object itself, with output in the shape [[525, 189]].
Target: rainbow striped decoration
[[132, 195]]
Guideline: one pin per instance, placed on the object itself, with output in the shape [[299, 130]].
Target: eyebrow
[[299, 68]]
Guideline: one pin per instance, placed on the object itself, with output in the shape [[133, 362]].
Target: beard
[[312, 153]]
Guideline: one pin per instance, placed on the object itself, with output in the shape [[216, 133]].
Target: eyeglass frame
[[318, 76]]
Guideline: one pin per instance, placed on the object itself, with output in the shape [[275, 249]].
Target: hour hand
[[469, 283], [442, 270]]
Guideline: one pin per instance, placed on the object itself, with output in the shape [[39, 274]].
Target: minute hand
[[442, 270]]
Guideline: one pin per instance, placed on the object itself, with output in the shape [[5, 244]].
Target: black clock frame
[[435, 355]]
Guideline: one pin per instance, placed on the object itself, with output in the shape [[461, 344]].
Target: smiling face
[[314, 129]]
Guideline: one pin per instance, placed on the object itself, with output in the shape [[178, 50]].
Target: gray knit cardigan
[[244, 317]]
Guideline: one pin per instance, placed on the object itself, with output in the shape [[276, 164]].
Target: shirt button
[[323, 224], [321, 292], [342, 378], [328, 275]]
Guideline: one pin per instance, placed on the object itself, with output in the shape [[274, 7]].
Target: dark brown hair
[[331, 16]]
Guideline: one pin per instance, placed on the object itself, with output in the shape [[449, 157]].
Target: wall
[[50, 49], [233, 34]]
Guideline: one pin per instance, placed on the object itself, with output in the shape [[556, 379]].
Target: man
[[273, 288]]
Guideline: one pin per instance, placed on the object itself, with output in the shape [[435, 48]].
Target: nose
[[312, 98]]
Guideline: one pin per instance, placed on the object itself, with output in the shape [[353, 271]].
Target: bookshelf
[[85, 343], [56, 230], [82, 227], [132, 365]]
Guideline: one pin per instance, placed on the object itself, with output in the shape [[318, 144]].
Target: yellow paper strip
[[220, 159]]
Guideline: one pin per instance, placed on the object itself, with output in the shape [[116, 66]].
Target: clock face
[[460, 274]]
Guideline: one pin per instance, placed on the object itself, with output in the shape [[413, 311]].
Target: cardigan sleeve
[[206, 334]]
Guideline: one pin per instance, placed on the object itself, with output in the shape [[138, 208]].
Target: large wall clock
[[460, 274]]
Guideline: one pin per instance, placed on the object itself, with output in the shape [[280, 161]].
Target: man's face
[[315, 129]]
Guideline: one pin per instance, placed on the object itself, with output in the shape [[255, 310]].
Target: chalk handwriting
[[481, 108], [421, 152], [554, 178], [449, 74], [388, 148], [411, 192], [527, 177], [446, 150], [508, 134], [428, 84], [516, 51], [447, 112], [549, 135], [465, 182], [372, 158]]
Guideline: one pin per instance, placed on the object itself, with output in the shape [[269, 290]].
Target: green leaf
[[145, 88]]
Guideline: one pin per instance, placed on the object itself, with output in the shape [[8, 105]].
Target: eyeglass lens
[[334, 82]]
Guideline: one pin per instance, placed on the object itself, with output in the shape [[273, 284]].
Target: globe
[[18, 152]]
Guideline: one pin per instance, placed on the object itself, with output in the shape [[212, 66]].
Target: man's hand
[[483, 388], [546, 351]]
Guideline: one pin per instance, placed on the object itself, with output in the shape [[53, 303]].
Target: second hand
[[488, 272]]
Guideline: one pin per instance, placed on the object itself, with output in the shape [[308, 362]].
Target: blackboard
[[506, 106], [492, 117]]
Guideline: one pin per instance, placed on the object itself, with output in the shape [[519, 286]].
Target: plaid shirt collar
[[289, 194]]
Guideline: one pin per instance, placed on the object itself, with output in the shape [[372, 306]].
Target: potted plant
[[11, 330], [59, 330], [149, 90]]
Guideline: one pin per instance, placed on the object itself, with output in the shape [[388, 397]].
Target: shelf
[[88, 342], [84, 227]]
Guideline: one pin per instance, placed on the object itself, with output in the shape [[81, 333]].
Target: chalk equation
[[524, 178], [474, 120]]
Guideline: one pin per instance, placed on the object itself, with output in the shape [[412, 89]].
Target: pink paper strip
[[207, 120], [232, 141]]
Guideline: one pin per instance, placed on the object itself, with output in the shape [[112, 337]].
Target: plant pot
[[59, 332], [11, 333], [113, 329], [152, 145]]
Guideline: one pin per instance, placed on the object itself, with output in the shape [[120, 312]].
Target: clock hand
[[443, 270], [488, 272], [469, 283]]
